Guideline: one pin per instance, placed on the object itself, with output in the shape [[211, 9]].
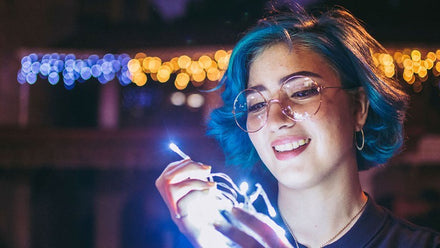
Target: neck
[[315, 215]]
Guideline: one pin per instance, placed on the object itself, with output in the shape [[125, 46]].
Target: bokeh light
[[195, 100], [178, 98], [411, 65]]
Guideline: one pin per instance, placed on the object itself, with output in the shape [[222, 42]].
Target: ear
[[361, 104]]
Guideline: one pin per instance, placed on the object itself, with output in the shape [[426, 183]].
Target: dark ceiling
[[210, 22]]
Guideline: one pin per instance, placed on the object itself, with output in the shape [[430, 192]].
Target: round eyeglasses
[[299, 99]]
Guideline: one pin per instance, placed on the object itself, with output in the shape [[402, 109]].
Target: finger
[[190, 169], [180, 190], [172, 166], [184, 169], [179, 171], [164, 177], [237, 236], [176, 163], [192, 203]]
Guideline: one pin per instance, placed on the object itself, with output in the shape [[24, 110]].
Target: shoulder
[[397, 232]]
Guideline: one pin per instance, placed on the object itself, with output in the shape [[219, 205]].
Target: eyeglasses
[[299, 99]]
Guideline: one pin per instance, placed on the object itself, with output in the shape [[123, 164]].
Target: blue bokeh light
[[102, 79], [96, 71], [70, 68], [69, 78], [53, 78], [45, 69], [106, 67], [31, 78], [109, 57], [86, 73], [33, 57], [35, 67], [21, 77], [70, 57]]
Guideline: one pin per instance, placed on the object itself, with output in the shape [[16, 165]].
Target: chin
[[292, 179]]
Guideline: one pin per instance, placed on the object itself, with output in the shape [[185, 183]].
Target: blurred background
[[93, 91]]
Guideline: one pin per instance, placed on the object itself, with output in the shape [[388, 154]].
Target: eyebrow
[[260, 87]]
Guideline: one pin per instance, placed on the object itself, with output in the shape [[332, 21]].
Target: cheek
[[338, 113], [254, 139], [336, 122], [258, 141]]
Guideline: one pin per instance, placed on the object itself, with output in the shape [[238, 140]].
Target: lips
[[289, 147]]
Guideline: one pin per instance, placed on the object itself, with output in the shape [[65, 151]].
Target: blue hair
[[340, 38]]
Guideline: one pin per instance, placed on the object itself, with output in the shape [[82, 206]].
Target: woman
[[302, 95]]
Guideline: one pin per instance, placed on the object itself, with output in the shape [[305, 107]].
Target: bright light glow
[[175, 66], [140, 79], [213, 74], [163, 74], [184, 61], [205, 61], [199, 77], [431, 56], [195, 68], [164, 69], [45, 69], [31, 78], [195, 100], [389, 71], [422, 72], [223, 62], [177, 150], [387, 60], [220, 54], [244, 187], [71, 68], [178, 98], [415, 55], [134, 65], [154, 64], [408, 63], [203, 213], [182, 80], [53, 78]]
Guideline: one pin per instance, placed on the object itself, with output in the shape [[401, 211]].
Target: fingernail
[[204, 166]]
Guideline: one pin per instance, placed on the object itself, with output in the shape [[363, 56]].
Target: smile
[[291, 146]]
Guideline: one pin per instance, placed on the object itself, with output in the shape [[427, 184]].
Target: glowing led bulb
[[244, 187], [177, 150]]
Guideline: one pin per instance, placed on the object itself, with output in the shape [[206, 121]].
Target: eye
[[305, 93], [254, 108]]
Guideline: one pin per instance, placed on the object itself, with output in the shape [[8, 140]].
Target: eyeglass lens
[[299, 99]]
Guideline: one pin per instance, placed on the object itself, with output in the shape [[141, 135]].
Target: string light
[[70, 69], [410, 65]]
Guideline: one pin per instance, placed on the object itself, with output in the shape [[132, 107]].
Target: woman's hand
[[181, 184], [252, 230], [184, 187]]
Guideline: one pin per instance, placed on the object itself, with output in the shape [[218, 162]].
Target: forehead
[[278, 61]]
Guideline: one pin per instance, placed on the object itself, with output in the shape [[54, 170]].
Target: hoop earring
[[356, 140]]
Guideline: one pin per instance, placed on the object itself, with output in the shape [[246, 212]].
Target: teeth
[[291, 146]]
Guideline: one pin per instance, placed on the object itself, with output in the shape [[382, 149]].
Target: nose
[[276, 119]]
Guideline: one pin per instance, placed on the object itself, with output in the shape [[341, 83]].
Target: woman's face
[[325, 149]]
